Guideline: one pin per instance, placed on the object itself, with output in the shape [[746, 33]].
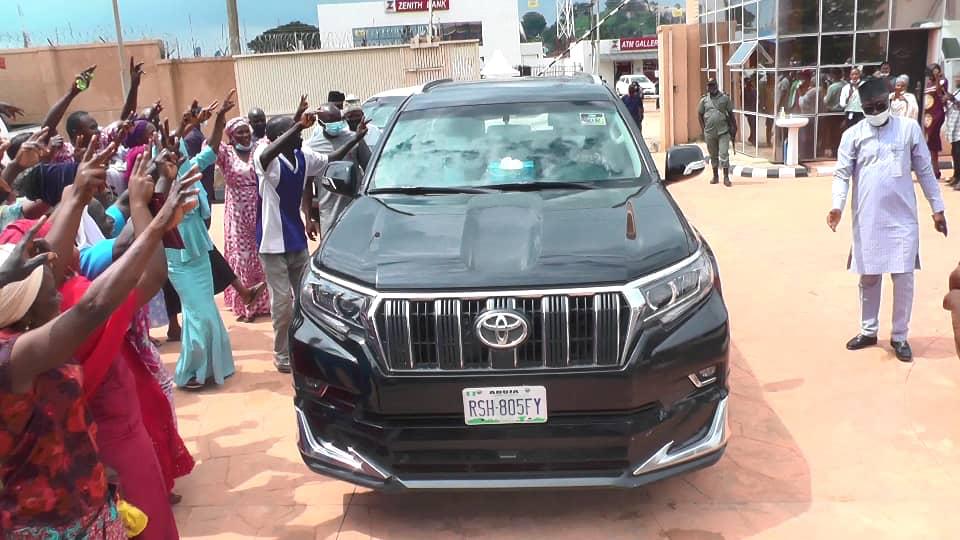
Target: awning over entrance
[[742, 54]]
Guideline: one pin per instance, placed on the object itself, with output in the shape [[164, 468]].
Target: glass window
[[738, 21], [799, 17], [829, 131], [795, 52], [836, 50], [872, 14], [722, 4], [915, 13], [742, 54], [486, 145], [703, 58], [767, 53], [833, 80], [766, 21], [750, 91], [746, 135], [766, 138], [837, 15], [702, 7], [797, 91], [766, 92], [703, 30], [749, 20], [723, 30], [951, 48], [871, 47], [736, 89], [712, 28]]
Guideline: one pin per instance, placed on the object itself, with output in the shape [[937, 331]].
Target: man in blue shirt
[[634, 102], [283, 168]]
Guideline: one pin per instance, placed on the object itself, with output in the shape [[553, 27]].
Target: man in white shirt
[[283, 168], [877, 156]]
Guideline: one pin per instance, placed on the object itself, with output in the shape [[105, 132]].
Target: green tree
[[293, 36], [534, 25]]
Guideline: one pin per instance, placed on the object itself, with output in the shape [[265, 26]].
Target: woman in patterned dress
[[240, 217]]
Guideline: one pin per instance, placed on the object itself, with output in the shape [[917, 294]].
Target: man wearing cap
[[716, 121], [877, 156], [336, 98]]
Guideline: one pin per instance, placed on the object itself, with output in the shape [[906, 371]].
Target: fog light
[[703, 377]]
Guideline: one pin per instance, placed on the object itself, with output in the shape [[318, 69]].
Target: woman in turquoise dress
[[205, 352]]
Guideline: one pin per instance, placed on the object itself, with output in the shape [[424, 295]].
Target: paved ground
[[826, 444]]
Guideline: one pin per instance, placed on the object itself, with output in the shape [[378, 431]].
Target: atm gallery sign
[[409, 6], [639, 43]]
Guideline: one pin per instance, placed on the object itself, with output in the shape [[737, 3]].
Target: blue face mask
[[243, 147], [335, 128]]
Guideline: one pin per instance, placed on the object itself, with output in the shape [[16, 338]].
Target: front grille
[[563, 332]]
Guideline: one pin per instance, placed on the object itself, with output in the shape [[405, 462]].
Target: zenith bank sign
[[639, 44], [407, 6]]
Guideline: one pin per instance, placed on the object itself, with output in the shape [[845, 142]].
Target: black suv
[[512, 300]]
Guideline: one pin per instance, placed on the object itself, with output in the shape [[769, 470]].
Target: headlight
[[334, 303], [670, 296]]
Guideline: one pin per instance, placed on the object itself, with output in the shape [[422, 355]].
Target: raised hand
[[27, 256], [84, 78], [141, 186], [10, 111], [228, 103], [301, 108], [363, 128], [181, 199], [91, 175], [31, 150], [207, 112], [136, 72], [307, 119]]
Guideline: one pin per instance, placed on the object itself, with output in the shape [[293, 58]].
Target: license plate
[[505, 405]]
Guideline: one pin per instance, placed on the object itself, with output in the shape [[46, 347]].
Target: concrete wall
[[36, 78], [500, 20]]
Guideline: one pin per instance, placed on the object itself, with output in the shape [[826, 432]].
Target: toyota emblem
[[502, 328]]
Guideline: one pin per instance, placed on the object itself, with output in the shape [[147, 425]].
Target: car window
[[380, 110], [485, 145]]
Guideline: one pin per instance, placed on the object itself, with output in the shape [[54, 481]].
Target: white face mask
[[877, 120]]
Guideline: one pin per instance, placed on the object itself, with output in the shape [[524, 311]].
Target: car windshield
[[487, 145], [380, 110], [639, 79]]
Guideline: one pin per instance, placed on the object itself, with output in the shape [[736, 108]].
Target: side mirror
[[342, 178], [683, 162]]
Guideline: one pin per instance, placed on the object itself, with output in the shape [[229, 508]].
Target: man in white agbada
[[877, 157]]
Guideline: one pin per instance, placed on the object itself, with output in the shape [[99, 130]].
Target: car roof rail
[[433, 84]]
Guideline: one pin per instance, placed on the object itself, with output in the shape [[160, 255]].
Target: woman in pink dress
[[240, 217]]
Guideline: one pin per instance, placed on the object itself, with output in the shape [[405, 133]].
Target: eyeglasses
[[875, 108]]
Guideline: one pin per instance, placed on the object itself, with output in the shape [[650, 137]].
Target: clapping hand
[[27, 256]]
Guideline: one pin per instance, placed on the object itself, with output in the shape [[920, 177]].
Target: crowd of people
[[104, 235]]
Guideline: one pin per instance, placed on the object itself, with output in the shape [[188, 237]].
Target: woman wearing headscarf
[[52, 482], [902, 102], [240, 217]]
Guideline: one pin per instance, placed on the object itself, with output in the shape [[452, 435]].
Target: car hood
[[507, 240]]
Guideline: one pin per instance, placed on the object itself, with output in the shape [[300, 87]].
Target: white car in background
[[647, 87]]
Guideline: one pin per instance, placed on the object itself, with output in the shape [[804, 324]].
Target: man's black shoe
[[861, 342], [902, 348]]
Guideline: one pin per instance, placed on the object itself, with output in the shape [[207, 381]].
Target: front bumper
[[351, 465]]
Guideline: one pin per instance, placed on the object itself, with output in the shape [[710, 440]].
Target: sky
[[181, 23]]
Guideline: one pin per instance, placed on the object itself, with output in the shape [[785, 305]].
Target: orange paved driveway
[[826, 444]]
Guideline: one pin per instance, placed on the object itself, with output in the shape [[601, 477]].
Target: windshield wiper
[[425, 190], [538, 186]]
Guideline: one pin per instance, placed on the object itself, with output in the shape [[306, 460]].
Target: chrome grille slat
[[566, 331]]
